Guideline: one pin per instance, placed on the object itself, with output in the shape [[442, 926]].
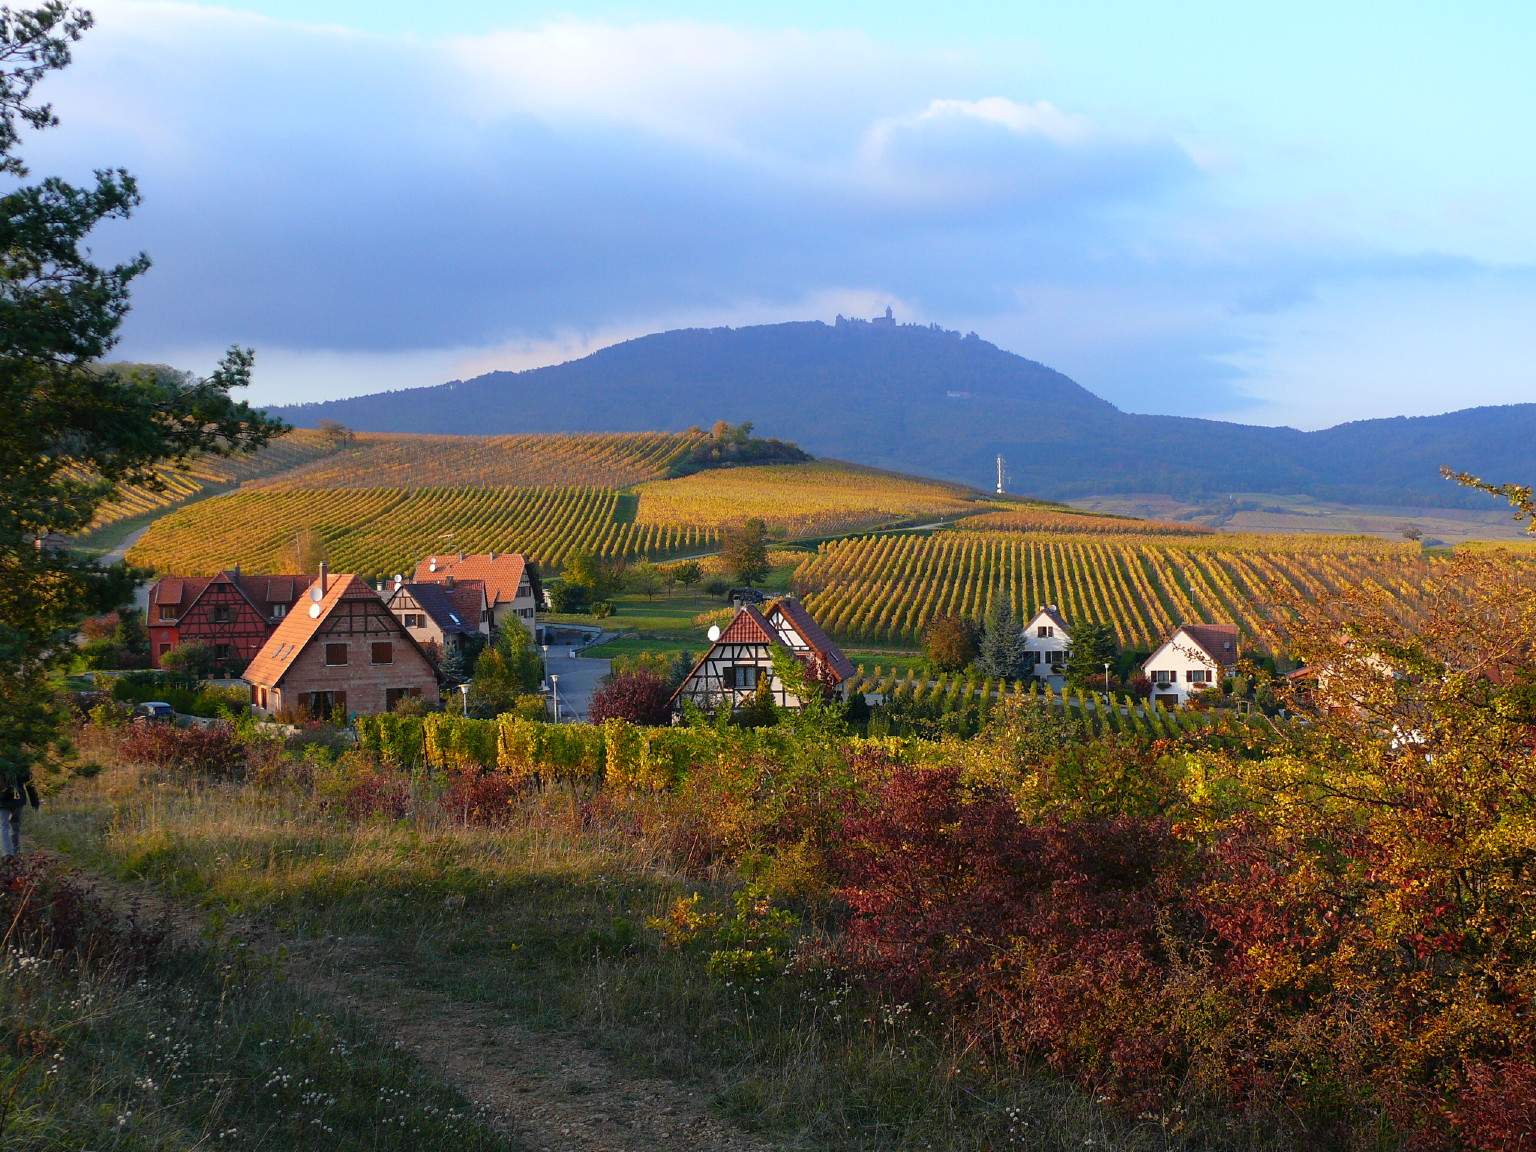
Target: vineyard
[[1045, 520], [882, 589], [294, 450], [377, 531], [604, 460], [816, 499]]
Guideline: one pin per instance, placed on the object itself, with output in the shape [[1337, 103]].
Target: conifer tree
[[1002, 643]]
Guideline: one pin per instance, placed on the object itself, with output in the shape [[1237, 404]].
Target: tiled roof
[[1218, 642], [502, 572], [261, 590], [440, 604], [815, 638], [747, 627], [298, 628]]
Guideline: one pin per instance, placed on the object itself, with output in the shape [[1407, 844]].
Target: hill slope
[[923, 400]]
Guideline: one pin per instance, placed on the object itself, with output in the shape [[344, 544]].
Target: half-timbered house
[[340, 650], [742, 658], [439, 617], [233, 613]]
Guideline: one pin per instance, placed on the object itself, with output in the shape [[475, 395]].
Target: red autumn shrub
[[50, 912], [212, 751], [638, 695], [477, 797]]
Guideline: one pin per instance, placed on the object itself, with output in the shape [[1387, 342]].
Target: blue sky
[[1298, 213]]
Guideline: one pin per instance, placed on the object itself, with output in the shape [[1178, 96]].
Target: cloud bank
[[375, 211]]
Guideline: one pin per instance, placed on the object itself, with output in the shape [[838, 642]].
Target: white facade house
[[1048, 642], [1192, 660]]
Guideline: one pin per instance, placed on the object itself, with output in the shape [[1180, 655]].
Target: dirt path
[[547, 1090]]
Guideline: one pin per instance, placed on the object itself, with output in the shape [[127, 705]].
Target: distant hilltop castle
[[886, 321]]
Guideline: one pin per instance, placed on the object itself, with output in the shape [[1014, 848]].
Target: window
[[223, 613], [168, 611], [164, 648], [223, 652], [335, 655], [325, 703], [279, 611], [1198, 676], [383, 652], [1056, 659], [414, 620], [1162, 677], [741, 676], [1044, 631], [393, 696]]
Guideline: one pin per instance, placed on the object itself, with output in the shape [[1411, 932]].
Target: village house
[[340, 650], [439, 617], [232, 613], [511, 584], [1194, 659], [1048, 645], [741, 658]]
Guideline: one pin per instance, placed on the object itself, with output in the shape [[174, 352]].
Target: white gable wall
[[1048, 653], [1179, 669]]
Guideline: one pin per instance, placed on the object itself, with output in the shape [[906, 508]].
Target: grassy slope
[[543, 919]]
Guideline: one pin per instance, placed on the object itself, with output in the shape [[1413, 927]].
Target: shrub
[[639, 695], [950, 643], [476, 797], [211, 752]]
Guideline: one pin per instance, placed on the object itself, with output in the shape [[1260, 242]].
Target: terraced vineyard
[[1045, 520], [816, 499], [298, 448], [605, 460], [377, 531], [882, 589]]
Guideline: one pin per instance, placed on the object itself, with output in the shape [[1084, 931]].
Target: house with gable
[[742, 658], [1195, 658], [1048, 645], [439, 617], [511, 584], [233, 613], [340, 650]]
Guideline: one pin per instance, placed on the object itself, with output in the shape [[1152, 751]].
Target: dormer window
[[279, 611]]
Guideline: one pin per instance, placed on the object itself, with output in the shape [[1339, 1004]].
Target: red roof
[[502, 573], [1219, 642], [298, 628], [747, 627], [815, 638]]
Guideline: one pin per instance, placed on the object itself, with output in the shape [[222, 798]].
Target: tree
[[639, 695], [689, 573], [567, 598], [77, 430], [1093, 646], [600, 578], [509, 667], [1002, 643], [336, 434], [644, 578], [192, 657], [308, 551], [745, 552], [949, 643]]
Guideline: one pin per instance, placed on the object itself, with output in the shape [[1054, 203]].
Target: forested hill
[[920, 399]]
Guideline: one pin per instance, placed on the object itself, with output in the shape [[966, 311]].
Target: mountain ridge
[[925, 400]]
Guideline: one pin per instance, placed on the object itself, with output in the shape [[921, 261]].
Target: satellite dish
[[314, 611], [714, 633], [316, 594]]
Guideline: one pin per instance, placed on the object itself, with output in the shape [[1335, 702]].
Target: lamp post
[[546, 658], [464, 695], [1106, 683], [554, 681]]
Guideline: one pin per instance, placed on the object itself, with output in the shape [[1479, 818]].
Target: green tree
[[600, 578], [949, 643], [76, 430], [192, 657], [689, 573], [1002, 643], [745, 552], [509, 667], [1093, 646], [644, 578]]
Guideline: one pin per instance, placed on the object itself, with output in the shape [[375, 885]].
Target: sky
[[1297, 213]]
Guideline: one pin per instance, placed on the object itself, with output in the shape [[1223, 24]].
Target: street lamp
[[464, 692], [546, 658], [1106, 683], [554, 681]]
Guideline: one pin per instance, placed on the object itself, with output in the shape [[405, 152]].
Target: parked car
[[156, 710]]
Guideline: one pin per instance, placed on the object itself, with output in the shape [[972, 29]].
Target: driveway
[[579, 676]]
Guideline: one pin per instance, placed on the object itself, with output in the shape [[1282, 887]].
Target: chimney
[[461, 555], [493, 553], [325, 579], [448, 582], [236, 571]]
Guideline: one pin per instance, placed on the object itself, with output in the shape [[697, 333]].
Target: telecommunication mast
[[1002, 474]]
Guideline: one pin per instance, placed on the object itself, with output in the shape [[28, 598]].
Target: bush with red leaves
[[479, 797], [212, 752], [637, 695], [50, 912]]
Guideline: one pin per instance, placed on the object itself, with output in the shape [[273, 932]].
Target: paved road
[[578, 679]]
